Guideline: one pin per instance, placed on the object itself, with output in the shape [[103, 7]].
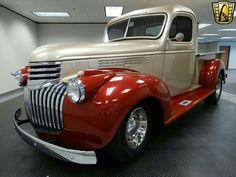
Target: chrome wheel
[[218, 87], [215, 96], [133, 134], [136, 128]]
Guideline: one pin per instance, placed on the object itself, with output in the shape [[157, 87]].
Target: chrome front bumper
[[69, 155]]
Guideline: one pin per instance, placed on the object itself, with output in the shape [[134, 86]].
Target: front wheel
[[132, 135], [215, 96]]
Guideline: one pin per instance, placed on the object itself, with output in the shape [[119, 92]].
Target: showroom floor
[[200, 144]]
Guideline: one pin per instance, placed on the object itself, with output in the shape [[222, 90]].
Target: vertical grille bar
[[40, 106], [48, 108], [36, 97], [33, 108], [50, 105], [44, 106], [44, 110], [54, 105], [57, 106], [60, 101], [28, 104]]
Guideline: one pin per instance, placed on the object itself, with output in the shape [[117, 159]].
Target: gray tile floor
[[200, 144]]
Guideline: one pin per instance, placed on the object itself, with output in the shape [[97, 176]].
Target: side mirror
[[179, 37]]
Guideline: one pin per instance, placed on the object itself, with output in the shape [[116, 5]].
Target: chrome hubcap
[[218, 88], [136, 128]]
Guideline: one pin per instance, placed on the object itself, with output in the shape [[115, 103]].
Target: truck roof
[[160, 9]]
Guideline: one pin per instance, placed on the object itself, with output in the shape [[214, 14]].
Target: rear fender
[[210, 71]]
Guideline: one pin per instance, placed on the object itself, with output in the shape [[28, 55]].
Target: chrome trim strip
[[69, 155], [43, 75], [44, 69], [44, 63]]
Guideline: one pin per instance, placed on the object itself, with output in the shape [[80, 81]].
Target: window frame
[[138, 37], [182, 15]]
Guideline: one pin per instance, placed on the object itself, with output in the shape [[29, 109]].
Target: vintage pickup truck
[[80, 98]]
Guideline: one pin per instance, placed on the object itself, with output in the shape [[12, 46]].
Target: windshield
[[140, 27]]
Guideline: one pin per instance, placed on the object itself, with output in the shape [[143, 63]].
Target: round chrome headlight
[[75, 90]]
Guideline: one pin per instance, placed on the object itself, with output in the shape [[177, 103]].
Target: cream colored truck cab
[[161, 41]]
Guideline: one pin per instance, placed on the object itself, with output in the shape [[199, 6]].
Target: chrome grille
[[43, 72], [44, 107]]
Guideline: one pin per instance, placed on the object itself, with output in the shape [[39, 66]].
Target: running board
[[184, 102]]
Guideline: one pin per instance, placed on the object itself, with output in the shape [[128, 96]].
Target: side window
[[117, 30], [153, 30], [181, 29]]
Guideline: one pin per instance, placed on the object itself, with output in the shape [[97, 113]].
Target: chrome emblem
[[223, 12]]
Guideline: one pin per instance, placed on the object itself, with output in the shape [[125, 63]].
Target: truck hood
[[74, 51]]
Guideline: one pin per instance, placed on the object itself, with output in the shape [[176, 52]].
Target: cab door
[[180, 54]]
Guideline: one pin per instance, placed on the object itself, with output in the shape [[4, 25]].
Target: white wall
[[18, 38], [232, 57], [57, 33]]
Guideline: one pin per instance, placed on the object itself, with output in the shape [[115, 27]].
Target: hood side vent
[[122, 61]]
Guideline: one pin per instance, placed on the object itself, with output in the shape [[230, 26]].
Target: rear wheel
[[215, 97], [132, 135]]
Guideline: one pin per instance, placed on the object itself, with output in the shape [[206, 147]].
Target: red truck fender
[[101, 116], [210, 71]]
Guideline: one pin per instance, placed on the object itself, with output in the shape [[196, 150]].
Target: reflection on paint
[[126, 91], [117, 78], [140, 81], [109, 91]]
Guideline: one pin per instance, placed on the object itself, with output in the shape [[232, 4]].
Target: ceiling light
[[203, 25], [113, 11], [52, 14], [201, 37], [228, 29], [227, 38], [210, 34]]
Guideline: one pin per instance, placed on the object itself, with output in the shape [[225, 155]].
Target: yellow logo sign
[[223, 12]]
